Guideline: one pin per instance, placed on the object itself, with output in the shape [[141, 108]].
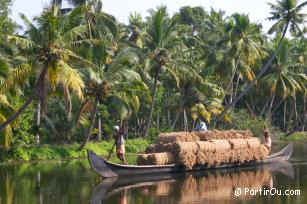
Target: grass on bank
[[61, 152], [297, 136]]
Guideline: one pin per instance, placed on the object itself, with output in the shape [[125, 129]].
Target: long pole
[[111, 150]]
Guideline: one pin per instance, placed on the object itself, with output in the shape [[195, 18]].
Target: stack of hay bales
[[204, 148]]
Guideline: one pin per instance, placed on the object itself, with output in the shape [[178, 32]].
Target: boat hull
[[108, 169]]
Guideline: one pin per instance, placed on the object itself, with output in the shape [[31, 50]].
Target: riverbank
[[65, 152], [68, 152], [297, 136]]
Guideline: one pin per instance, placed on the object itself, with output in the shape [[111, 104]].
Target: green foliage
[[136, 145], [23, 133], [7, 26], [242, 120], [152, 134], [60, 152], [297, 136], [19, 154]]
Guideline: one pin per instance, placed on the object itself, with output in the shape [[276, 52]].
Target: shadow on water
[[218, 185]]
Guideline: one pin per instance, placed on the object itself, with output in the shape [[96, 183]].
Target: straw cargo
[[238, 143], [155, 159], [157, 148], [177, 137], [253, 142]]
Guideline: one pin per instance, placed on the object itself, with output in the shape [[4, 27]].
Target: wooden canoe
[[108, 169]]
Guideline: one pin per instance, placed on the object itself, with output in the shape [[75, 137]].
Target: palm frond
[[70, 77], [73, 34], [21, 42], [17, 77]]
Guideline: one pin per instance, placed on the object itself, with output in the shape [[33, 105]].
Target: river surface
[[74, 182]]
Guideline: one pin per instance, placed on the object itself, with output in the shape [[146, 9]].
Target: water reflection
[[74, 182], [63, 182], [200, 187]]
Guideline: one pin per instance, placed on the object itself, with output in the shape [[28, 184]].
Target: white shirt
[[268, 141], [201, 126]]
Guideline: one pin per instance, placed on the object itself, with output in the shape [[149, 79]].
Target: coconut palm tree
[[283, 80], [115, 80], [243, 48], [48, 47], [193, 87], [288, 14], [160, 36]]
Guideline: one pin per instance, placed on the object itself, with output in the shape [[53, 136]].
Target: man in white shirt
[[267, 139], [201, 126]]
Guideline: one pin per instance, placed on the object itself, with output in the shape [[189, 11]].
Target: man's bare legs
[[122, 158]]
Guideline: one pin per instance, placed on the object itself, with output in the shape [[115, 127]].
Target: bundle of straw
[[155, 159], [160, 158], [205, 146], [221, 145], [177, 137], [187, 159], [238, 143], [253, 142]]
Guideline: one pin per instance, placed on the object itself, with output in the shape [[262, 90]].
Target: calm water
[[74, 182]]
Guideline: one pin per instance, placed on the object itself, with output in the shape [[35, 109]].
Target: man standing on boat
[[118, 136], [267, 139], [201, 126]]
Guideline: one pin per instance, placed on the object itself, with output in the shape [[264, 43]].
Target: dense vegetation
[[68, 152], [71, 74]]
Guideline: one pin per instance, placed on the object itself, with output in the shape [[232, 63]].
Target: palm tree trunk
[[265, 106], [94, 113], [185, 119], [99, 136], [231, 84], [99, 127], [295, 110], [168, 112], [237, 86], [277, 106], [305, 114], [231, 93], [290, 117], [179, 112], [234, 73], [259, 75], [38, 121], [154, 93], [270, 108], [68, 102], [193, 125], [285, 114], [68, 107], [158, 121]]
